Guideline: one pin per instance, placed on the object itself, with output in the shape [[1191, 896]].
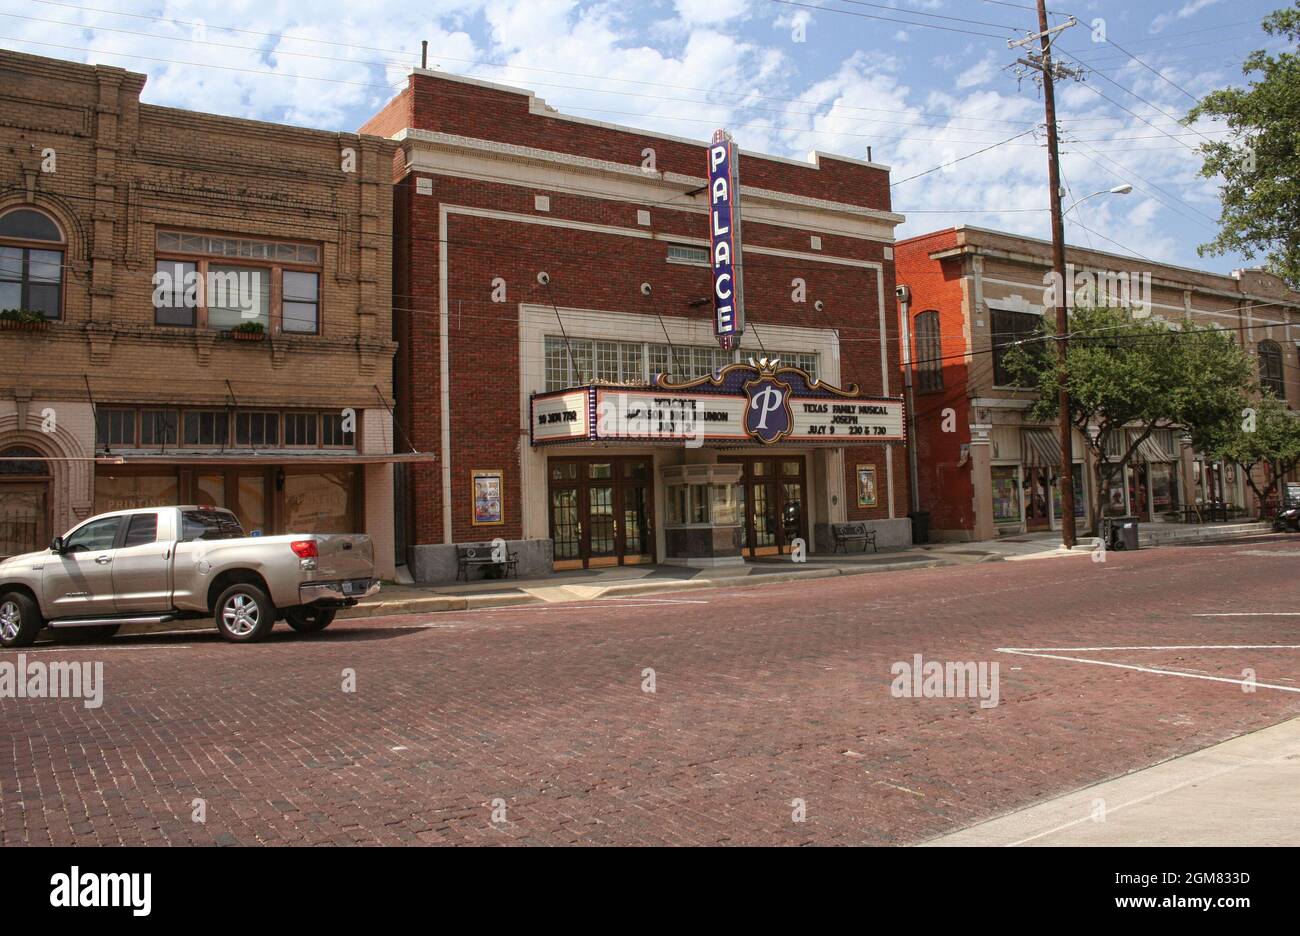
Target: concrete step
[[1165, 534]]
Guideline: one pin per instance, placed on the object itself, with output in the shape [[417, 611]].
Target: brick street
[[763, 695]]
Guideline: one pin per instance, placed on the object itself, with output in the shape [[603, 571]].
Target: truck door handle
[[103, 560]]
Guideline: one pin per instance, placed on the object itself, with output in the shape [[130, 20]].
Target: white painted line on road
[[1249, 614], [1162, 647], [1160, 672]]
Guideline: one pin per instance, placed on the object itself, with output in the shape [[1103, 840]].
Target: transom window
[[31, 263], [152, 428], [212, 281], [582, 360]]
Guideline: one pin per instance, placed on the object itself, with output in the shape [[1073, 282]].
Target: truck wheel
[[20, 620], [101, 632], [244, 613], [309, 620]]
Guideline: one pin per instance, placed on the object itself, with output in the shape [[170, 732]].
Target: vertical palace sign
[[724, 239]]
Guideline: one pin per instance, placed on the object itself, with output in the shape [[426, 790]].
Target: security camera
[[819, 305], [544, 278], [645, 289], [903, 293]]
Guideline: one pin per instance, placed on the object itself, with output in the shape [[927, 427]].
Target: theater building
[[555, 316], [983, 468], [267, 391]]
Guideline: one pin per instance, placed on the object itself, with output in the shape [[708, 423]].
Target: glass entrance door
[[601, 511], [1037, 485], [602, 526], [771, 503]]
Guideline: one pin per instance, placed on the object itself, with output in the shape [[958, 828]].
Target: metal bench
[[480, 555], [844, 533]]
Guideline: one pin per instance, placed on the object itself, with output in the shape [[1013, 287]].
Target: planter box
[[245, 336], [12, 325]]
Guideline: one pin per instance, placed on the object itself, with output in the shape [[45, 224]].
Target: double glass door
[[601, 512], [773, 494]]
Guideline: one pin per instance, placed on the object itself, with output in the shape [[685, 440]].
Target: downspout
[[904, 295]]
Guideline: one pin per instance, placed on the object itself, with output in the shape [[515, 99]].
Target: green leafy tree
[[1129, 377], [1260, 163], [1263, 433]]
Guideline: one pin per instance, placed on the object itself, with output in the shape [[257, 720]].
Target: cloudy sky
[[921, 82]]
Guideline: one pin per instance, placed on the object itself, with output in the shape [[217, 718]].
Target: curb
[[440, 603]]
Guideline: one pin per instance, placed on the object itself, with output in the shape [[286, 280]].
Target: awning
[[1041, 448], [270, 457], [1148, 450]]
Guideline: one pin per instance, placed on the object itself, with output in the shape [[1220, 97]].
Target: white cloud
[[983, 71], [1189, 9], [695, 12]]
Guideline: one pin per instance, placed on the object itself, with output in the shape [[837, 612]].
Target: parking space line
[[1161, 672]]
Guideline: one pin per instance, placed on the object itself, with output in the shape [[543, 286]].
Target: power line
[[886, 19], [625, 93], [748, 93], [953, 162]]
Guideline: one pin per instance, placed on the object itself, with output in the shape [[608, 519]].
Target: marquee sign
[[761, 403], [724, 240]]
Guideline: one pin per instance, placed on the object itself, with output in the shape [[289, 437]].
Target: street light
[[1121, 189]]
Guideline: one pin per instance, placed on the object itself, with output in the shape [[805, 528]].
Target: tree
[[1129, 377], [1263, 433], [1260, 164]]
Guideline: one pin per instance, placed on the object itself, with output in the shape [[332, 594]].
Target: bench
[[480, 555], [844, 533]]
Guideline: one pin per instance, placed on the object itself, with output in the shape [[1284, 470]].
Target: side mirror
[[56, 545]]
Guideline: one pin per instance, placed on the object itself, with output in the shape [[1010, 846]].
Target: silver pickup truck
[[161, 564]]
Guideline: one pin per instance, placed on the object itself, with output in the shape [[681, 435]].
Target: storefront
[[268, 499], [1025, 480], [695, 476], [280, 470]]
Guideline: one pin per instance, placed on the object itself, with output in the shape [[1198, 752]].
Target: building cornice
[[422, 146]]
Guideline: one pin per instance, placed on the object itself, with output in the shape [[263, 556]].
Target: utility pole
[[1049, 71]]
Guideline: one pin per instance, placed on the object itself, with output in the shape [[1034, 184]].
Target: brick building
[[972, 293], [121, 393], [547, 266]]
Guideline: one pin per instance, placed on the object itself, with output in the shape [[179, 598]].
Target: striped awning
[[1041, 448], [1149, 450]]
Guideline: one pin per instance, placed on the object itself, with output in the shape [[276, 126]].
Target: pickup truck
[[160, 564]]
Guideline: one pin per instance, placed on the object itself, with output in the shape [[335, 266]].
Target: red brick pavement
[[763, 695]]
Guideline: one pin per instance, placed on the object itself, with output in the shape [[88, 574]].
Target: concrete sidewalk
[[1239, 792], [625, 581]]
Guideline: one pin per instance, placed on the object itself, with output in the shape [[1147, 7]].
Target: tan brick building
[[991, 471], [258, 377]]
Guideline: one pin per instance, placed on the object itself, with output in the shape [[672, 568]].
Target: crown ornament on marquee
[[765, 365]]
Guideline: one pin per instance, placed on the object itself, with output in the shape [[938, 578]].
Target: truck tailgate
[[344, 556]]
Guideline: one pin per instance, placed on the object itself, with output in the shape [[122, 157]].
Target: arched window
[[1270, 368], [929, 363], [31, 263], [21, 461]]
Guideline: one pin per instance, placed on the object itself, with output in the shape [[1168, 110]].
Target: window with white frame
[[578, 361]]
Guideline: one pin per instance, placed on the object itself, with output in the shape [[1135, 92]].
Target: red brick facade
[[943, 483], [598, 252]]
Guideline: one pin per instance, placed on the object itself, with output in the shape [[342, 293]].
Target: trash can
[[1120, 532], [920, 526]]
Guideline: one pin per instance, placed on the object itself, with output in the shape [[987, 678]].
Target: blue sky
[[922, 82]]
